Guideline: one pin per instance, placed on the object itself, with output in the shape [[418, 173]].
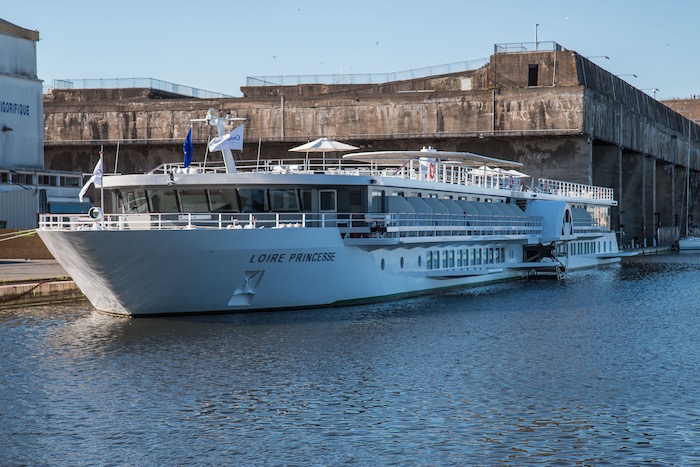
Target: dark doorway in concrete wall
[[532, 75]]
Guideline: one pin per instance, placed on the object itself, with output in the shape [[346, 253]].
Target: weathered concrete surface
[[27, 247], [574, 125], [34, 281], [689, 108]]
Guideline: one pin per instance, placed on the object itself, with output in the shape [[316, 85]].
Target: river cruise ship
[[280, 234]]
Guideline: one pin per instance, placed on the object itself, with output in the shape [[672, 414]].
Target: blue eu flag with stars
[[187, 148]]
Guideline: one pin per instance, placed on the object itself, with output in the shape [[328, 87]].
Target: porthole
[[402, 262], [420, 258], [383, 264]]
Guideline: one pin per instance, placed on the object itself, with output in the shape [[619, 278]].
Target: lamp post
[[536, 24], [653, 91]]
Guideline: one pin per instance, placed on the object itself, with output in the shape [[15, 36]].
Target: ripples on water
[[601, 368]]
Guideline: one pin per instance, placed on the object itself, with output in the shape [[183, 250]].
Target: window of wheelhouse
[[284, 200], [327, 201], [253, 200], [306, 204], [134, 202], [162, 201], [194, 200], [224, 201]]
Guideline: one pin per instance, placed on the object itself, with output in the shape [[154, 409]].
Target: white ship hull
[[279, 235], [196, 271]]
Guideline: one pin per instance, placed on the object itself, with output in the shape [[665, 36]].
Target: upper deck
[[449, 173]]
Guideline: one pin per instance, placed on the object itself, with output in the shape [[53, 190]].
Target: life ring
[[431, 171]]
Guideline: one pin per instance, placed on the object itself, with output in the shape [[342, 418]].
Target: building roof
[[12, 29]]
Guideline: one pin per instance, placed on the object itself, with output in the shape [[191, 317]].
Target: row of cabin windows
[[464, 257], [586, 248], [379, 193], [42, 180], [225, 200]]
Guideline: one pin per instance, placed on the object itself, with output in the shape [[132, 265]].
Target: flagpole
[[102, 187], [116, 160], [206, 152]]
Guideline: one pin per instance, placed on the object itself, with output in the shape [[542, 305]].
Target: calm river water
[[603, 368]]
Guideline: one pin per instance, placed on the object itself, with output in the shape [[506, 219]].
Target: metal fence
[[369, 78], [520, 47], [128, 83]]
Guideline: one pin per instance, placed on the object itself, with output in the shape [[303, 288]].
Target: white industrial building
[[26, 189]]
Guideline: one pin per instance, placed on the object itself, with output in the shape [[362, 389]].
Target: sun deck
[[447, 172]]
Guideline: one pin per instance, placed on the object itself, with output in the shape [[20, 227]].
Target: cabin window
[[224, 201], [428, 260], [327, 200], [253, 200], [356, 200], [444, 259], [193, 200], [162, 201], [378, 201], [284, 200]]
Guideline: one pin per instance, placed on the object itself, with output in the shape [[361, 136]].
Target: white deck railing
[[454, 174], [357, 225], [574, 190]]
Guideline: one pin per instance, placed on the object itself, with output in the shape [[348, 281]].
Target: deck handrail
[[413, 169], [392, 225]]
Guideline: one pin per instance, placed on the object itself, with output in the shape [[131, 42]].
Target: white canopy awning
[[399, 157], [323, 145]]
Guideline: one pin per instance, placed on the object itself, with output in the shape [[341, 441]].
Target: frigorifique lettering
[[14, 108]]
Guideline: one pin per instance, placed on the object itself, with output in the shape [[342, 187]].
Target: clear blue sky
[[214, 45]]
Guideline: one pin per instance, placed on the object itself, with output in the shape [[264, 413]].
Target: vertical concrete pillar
[[644, 239], [620, 197], [694, 208], [605, 173], [664, 195], [674, 217], [632, 198], [590, 160], [282, 114]]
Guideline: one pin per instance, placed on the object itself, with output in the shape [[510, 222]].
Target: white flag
[[96, 178], [233, 140]]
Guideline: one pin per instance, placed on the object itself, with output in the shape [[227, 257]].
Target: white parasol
[[323, 145]]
